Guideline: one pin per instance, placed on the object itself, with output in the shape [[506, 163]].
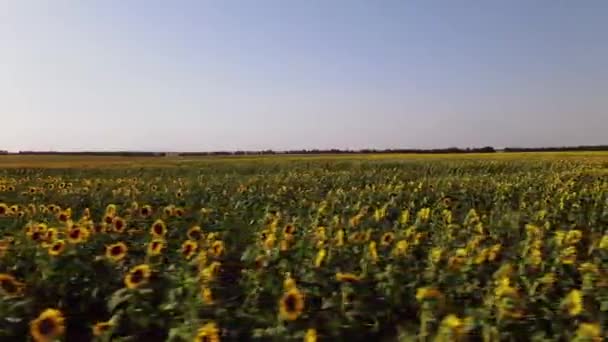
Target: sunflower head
[[195, 233], [156, 246], [145, 211], [3, 209], [208, 333], [189, 248], [117, 251], [387, 238], [48, 326], [217, 248], [101, 328], [63, 216], [77, 235], [10, 286], [291, 305], [347, 277], [57, 248], [119, 224], [159, 228], [138, 276], [289, 229]]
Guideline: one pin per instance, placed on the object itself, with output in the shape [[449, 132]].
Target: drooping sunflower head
[[195, 233], [189, 248], [9, 286], [138, 276], [156, 246], [291, 305], [48, 326], [208, 333], [57, 248], [159, 228], [63, 216], [101, 328], [117, 251]]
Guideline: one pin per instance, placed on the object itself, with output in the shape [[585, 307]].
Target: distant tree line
[[449, 150], [558, 149]]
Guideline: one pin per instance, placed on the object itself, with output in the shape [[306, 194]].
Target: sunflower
[[9, 285], [119, 224], [50, 235], [195, 233], [189, 247], [347, 277], [145, 211], [311, 335], [77, 235], [289, 229], [210, 272], [207, 295], [591, 332], [387, 239], [48, 326], [111, 209], [138, 276], [428, 293], [159, 228], [208, 333], [101, 328], [156, 246], [573, 303], [168, 210], [57, 248], [568, 255], [117, 251], [320, 257], [108, 218], [291, 305], [217, 249], [64, 216]]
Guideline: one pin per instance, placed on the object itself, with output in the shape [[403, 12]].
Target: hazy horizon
[[238, 75]]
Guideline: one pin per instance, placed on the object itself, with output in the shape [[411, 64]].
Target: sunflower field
[[307, 249]]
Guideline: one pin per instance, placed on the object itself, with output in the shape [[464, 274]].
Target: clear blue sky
[[226, 75]]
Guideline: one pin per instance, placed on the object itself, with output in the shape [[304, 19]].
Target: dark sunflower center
[[291, 303], [187, 249], [158, 229], [206, 338], [119, 225], [144, 211], [75, 234], [8, 286], [46, 327], [2, 210], [57, 247], [36, 236], [195, 235], [137, 276], [108, 219], [116, 250], [62, 217]]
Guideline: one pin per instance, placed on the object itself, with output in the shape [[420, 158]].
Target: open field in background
[[456, 247], [66, 161]]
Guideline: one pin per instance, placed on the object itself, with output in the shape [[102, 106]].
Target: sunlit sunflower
[[195, 233], [573, 303], [168, 210], [77, 235], [591, 332], [189, 248], [50, 235], [117, 251], [101, 328], [208, 333], [291, 305], [145, 211], [320, 257], [48, 326], [57, 248], [311, 335], [156, 246], [119, 224], [138, 276], [9, 285], [217, 248], [159, 228], [207, 295], [428, 293], [347, 277], [210, 272], [179, 212], [111, 209], [387, 239]]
